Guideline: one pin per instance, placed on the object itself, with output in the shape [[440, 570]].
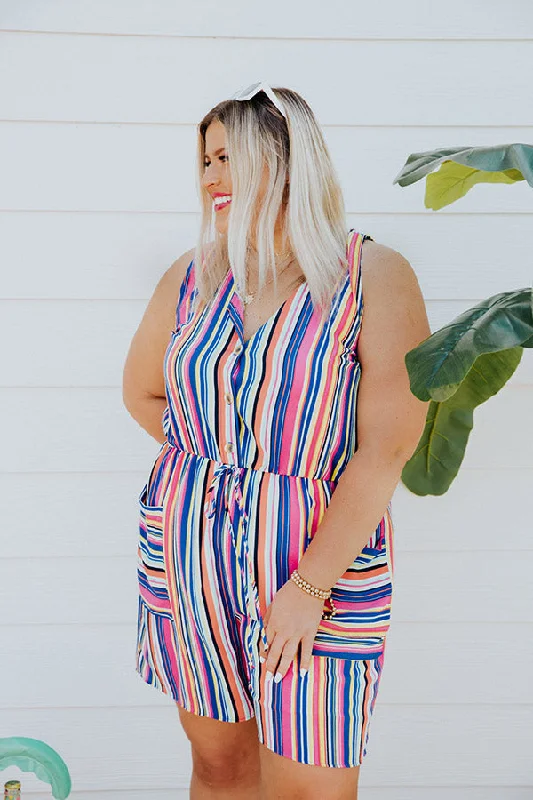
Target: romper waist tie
[[229, 488], [220, 483]]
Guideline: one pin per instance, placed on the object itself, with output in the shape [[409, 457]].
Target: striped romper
[[258, 433]]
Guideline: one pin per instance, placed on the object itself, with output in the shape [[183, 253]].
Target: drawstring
[[210, 505]]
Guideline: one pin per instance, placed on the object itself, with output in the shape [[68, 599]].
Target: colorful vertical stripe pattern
[[324, 718], [259, 432]]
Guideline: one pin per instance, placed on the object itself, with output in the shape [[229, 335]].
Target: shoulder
[[382, 266], [389, 282], [142, 371], [394, 315], [176, 272], [162, 304]]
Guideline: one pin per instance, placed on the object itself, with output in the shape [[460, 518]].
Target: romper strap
[[355, 251], [185, 296]]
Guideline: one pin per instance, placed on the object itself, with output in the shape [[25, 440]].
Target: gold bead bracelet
[[325, 594]]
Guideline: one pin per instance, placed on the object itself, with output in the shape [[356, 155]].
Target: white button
[[238, 348], [229, 398]]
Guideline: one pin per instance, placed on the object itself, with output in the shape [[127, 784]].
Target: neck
[[282, 245]]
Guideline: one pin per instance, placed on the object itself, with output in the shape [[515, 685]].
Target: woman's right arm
[[143, 382]]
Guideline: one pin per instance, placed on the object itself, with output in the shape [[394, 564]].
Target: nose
[[209, 177]]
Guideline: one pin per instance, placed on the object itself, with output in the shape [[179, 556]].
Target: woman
[[265, 552]]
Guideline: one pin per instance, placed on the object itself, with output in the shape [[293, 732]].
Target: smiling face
[[217, 175], [217, 179]]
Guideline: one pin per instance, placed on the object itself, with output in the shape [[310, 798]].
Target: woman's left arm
[[390, 422], [390, 419]]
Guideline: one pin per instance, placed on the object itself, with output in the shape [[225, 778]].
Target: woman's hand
[[291, 619]]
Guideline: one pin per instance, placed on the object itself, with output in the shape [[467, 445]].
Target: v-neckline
[[239, 307]]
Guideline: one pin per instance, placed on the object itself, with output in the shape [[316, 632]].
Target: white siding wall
[[98, 106]]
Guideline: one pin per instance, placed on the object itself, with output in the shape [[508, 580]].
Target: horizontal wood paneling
[[240, 19], [96, 255], [131, 79], [144, 168], [97, 198]]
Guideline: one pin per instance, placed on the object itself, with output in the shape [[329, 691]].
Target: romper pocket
[[153, 587], [362, 597]]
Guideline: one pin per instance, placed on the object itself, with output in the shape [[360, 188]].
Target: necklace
[[247, 298]]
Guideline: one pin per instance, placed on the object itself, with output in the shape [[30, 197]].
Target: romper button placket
[[229, 398]]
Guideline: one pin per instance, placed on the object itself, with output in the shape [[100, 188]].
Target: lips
[[220, 206]]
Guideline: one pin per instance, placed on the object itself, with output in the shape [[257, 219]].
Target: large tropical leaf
[[457, 368], [453, 181], [440, 363], [463, 167], [441, 449]]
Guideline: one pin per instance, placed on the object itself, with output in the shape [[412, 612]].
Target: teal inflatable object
[[33, 755]]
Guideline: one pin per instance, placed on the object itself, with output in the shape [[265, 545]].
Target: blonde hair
[[314, 220]]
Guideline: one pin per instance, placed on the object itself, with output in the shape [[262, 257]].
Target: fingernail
[[277, 677], [269, 675], [303, 672], [262, 660]]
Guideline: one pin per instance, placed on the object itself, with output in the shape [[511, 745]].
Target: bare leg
[[285, 779], [225, 758]]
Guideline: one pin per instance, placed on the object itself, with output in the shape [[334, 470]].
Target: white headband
[[255, 88]]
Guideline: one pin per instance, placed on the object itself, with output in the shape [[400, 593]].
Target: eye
[[206, 163]]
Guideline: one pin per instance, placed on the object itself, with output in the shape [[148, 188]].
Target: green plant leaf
[[440, 451], [457, 368], [466, 362], [34, 755], [440, 363], [511, 162], [453, 181]]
